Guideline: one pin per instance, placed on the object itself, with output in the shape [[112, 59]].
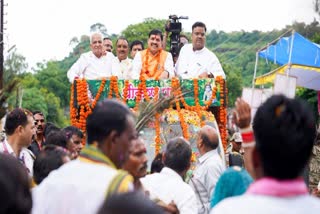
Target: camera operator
[[197, 61], [177, 40]]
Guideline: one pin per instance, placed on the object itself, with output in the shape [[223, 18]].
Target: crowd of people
[[154, 62], [47, 169]]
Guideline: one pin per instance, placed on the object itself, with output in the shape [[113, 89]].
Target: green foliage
[[140, 31], [48, 89]]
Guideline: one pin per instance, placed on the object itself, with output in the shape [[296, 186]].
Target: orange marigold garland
[[97, 97], [222, 118], [125, 91]]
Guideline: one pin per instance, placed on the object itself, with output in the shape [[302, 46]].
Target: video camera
[[175, 27]]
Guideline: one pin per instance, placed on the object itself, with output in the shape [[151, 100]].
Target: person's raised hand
[[242, 114]]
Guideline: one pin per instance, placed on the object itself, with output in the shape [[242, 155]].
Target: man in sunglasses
[[38, 138]]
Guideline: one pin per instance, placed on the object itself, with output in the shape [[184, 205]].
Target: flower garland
[[73, 110], [125, 91], [78, 116], [145, 67], [97, 97], [222, 112]]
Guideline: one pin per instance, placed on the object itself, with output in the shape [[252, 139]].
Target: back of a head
[[49, 159], [157, 164], [284, 130], [50, 127], [131, 202], [232, 182], [73, 131], [57, 138], [15, 195], [177, 154], [108, 115]]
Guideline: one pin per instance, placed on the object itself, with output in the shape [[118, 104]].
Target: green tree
[[141, 30], [98, 27]]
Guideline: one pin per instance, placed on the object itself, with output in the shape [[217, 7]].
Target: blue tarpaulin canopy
[[297, 56], [304, 52]]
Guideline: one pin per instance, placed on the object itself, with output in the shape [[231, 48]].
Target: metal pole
[[1, 44]]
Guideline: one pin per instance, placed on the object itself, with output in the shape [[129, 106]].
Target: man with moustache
[[82, 185], [137, 162], [197, 61], [153, 62], [38, 139], [125, 64], [94, 64], [107, 45]]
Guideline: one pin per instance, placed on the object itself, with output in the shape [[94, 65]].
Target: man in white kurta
[[168, 185], [81, 186], [77, 187], [94, 64], [195, 60]]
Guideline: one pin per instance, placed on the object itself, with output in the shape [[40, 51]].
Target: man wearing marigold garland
[[153, 62], [195, 60], [95, 64]]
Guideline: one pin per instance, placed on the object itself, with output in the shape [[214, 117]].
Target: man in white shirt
[[280, 147], [94, 64], [125, 64], [197, 61], [19, 128], [208, 169], [168, 185], [82, 185]]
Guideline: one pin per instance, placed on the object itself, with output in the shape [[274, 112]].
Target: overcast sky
[[42, 29]]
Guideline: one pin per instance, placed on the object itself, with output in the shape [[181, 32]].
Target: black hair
[[121, 38], [15, 195], [17, 117], [199, 24], [108, 115], [157, 164], [49, 159], [131, 202], [57, 138], [136, 42], [50, 127], [156, 32], [37, 112], [177, 154], [107, 38], [285, 131], [73, 130]]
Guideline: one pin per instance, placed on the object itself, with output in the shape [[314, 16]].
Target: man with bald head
[[95, 64], [210, 167]]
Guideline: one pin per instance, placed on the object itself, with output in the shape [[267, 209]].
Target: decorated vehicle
[[168, 108]]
